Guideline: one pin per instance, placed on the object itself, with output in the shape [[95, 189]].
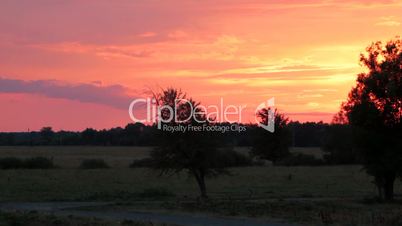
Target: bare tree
[[191, 151]]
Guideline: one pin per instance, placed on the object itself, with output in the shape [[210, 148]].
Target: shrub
[[339, 147], [10, 163], [30, 163], [224, 158], [300, 159], [94, 164], [142, 163], [230, 158], [156, 193], [38, 163]]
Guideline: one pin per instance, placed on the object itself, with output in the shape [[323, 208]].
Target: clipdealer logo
[[230, 114]]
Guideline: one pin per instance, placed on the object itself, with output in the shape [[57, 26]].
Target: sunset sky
[[78, 64]]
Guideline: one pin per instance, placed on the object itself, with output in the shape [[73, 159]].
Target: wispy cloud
[[106, 51], [147, 34], [115, 96], [388, 21], [311, 113]]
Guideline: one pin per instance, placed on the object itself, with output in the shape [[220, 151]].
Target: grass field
[[36, 219], [116, 157], [248, 182], [302, 192], [71, 157]]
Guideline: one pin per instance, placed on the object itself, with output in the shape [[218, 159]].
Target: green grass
[[36, 219], [248, 182], [72, 156], [314, 151], [116, 157], [71, 183], [302, 194]]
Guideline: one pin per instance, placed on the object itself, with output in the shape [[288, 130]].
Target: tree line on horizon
[[302, 134]]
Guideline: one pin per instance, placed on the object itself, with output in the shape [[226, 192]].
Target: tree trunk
[[380, 192], [200, 177], [388, 189], [379, 183], [385, 185]]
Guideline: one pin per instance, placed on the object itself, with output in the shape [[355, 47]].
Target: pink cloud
[[115, 96]]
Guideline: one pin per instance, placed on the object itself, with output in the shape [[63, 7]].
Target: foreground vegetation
[[36, 219], [129, 184], [308, 194]]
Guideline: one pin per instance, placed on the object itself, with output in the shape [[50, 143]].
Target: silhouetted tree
[[374, 109], [272, 146], [338, 145], [89, 136], [307, 134], [193, 151]]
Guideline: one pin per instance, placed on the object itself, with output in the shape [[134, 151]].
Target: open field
[[71, 156], [116, 157], [36, 219], [314, 151], [248, 183], [295, 193], [120, 182]]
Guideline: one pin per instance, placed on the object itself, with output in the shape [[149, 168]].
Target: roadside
[[70, 209]]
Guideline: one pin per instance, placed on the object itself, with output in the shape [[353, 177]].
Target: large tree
[[374, 109], [192, 151]]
